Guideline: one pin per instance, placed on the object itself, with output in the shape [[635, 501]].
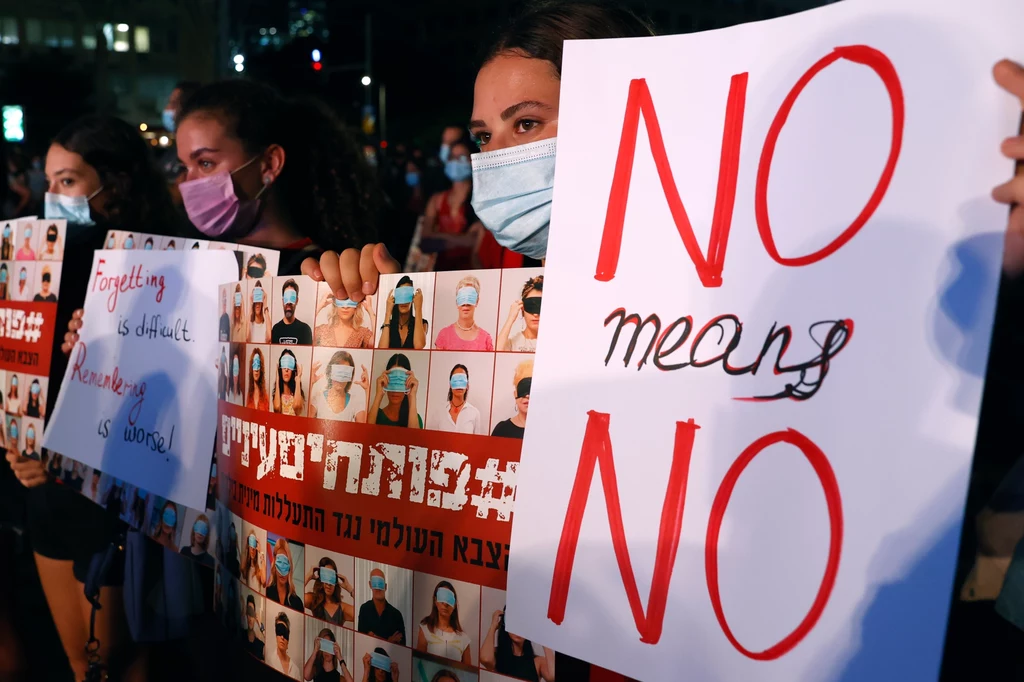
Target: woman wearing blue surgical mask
[[199, 542], [345, 326], [256, 396], [280, 587], [324, 600], [5, 294], [236, 385], [405, 326], [166, 525], [239, 323], [338, 401], [395, 401], [325, 663], [459, 416], [30, 446], [450, 226], [26, 252], [14, 395], [259, 316], [441, 632], [464, 333], [35, 406], [289, 397], [515, 105], [253, 575], [7, 241], [378, 667]]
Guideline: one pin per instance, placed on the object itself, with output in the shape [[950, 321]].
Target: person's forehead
[[510, 79]]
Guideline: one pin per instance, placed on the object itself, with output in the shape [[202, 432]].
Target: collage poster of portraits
[[367, 456]]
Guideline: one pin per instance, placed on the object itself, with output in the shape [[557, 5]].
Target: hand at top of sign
[[364, 381], [1010, 77], [71, 338], [354, 273]]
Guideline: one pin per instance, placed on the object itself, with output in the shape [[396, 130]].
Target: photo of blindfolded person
[[450, 407], [259, 264], [341, 385], [33, 429], [380, 661], [236, 374], [172, 244], [403, 324], [450, 624], [228, 554], [289, 392], [330, 593], [23, 290], [49, 283], [396, 400], [253, 633], [7, 240], [509, 654], [328, 652], [52, 247], [475, 315], [285, 566], [12, 403], [164, 524], [294, 305], [92, 491], [256, 396], [223, 372], [35, 403], [147, 245], [385, 595], [239, 316], [343, 323], [196, 539], [519, 333], [196, 244], [26, 240], [253, 559], [113, 238], [211, 490], [522, 381], [285, 652], [259, 313], [5, 284], [135, 515]]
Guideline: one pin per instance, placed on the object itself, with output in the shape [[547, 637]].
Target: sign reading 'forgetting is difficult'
[[756, 399]]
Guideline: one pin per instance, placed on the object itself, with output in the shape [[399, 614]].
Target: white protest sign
[[139, 397], [785, 505]]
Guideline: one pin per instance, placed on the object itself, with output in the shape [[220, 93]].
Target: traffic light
[[317, 66]]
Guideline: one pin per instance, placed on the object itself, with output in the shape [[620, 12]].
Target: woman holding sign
[[325, 663], [324, 602], [464, 333], [440, 632], [337, 401], [289, 398], [259, 316], [395, 402]]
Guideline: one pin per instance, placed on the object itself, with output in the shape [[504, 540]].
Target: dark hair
[[252, 382], [135, 192], [281, 383], [327, 189], [289, 284], [319, 595], [394, 335], [265, 311], [185, 91], [539, 31], [504, 654], [451, 374], [533, 284], [444, 674], [318, 660], [250, 600], [237, 384], [432, 619], [399, 360], [387, 673]]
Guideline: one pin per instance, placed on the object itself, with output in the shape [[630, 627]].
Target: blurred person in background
[[450, 227], [37, 185], [18, 197], [171, 167]]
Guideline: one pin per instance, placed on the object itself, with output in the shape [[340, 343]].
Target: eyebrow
[[202, 150], [513, 110], [65, 170]]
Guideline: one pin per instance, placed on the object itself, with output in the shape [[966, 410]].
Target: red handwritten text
[[124, 282], [112, 382]]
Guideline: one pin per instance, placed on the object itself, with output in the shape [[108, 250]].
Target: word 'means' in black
[[665, 342]]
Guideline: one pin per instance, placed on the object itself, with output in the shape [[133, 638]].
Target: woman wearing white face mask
[[515, 121]]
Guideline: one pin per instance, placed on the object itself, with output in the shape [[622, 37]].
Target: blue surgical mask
[[412, 179], [75, 210], [283, 565], [148, 246], [167, 118], [458, 170], [512, 191], [129, 243]]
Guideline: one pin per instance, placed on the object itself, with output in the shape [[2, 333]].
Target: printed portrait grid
[[358, 615], [31, 260], [287, 346]]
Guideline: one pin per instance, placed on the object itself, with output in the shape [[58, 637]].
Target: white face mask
[[512, 190], [73, 209]]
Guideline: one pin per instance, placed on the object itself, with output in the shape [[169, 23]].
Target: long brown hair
[[318, 661], [263, 305], [248, 563], [281, 547], [252, 380], [319, 596], [432, 620], [236, 315]]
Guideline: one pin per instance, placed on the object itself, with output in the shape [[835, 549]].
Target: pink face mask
[[215, 209]]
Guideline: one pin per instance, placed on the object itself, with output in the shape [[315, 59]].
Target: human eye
[[526, 125], [480, 137], [67, 182], [206, 164]]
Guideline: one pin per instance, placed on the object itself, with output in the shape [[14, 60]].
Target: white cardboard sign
[[139, 398], [771, 281]]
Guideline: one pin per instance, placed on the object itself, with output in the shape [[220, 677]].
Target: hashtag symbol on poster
[[497, 488], [33, 326], [16, 325]]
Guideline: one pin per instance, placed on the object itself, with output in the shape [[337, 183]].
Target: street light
[[366, 80], [239, 58], [239, 68], [316, 55], [143, 127]]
